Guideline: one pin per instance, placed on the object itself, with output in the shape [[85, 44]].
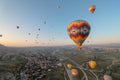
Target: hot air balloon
[[92, 8], [69, 66], [0, 35], [58, 7], [29, 33], [39, 29], [78, 31], [37, 35], [44, 22], [74, 72], [25, 40], [107, 77], [92, 64], [17, 27]]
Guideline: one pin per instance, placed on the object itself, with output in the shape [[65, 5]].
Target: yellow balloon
[[74, 72], [92, 64], [69, 66]]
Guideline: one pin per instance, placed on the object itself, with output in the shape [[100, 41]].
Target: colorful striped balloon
[[78, 31]]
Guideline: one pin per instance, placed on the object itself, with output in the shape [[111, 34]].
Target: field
[[12, 60]]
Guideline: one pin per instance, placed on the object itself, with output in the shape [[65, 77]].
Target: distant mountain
[[2, 46], [115, 44], [3, 49], [110, 45]]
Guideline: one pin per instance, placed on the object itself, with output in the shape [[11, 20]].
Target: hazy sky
[[30, 15]]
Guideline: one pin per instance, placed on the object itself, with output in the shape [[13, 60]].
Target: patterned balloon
[[78, 31]]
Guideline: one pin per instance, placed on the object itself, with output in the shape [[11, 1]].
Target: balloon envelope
[[69, 66], [58, 6], [0, 35], [44, 22], [92, 8], [107, 77], [78, 31], [92, 64], [17, 27], [74, 72], [29, 33]]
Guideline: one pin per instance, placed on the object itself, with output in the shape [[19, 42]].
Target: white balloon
[[107, 77]]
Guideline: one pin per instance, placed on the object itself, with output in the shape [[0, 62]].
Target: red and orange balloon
[[78, 31], [92, 8], [92, 64], [74, 72]]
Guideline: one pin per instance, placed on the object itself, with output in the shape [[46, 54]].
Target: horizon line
[[62, 45]]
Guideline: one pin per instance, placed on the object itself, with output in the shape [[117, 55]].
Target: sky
[[30, 15]]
